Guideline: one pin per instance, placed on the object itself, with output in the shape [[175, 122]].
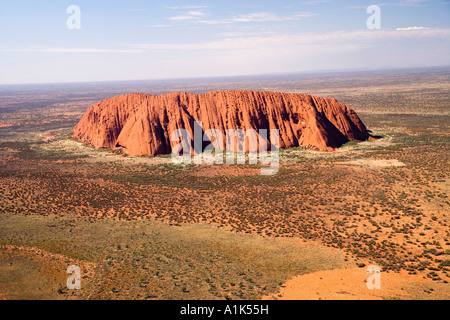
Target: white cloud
[[412, 28], [186, 7], [183, 18], [365, 49], [238, 41], [189, 15], [69, 50], [244, 34], [258, 17], [356, 38], [404, 3], [267, 16], [195, 13], [401, 3]]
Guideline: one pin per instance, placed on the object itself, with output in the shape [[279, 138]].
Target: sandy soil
[[32, 273], [351, 284], [226, 170], [77, 148], [372, 163]]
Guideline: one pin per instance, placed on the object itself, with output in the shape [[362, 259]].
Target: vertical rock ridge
[[142, 124]]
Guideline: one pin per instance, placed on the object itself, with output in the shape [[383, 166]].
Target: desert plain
[[145, 228]]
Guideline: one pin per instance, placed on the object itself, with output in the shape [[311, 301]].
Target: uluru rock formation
[[142, 124]]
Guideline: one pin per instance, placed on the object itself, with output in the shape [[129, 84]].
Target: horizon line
[[309, 72]]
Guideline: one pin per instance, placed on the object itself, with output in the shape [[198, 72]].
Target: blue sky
[[135, 39]]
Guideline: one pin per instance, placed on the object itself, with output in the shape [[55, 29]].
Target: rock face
[[142, 124]]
